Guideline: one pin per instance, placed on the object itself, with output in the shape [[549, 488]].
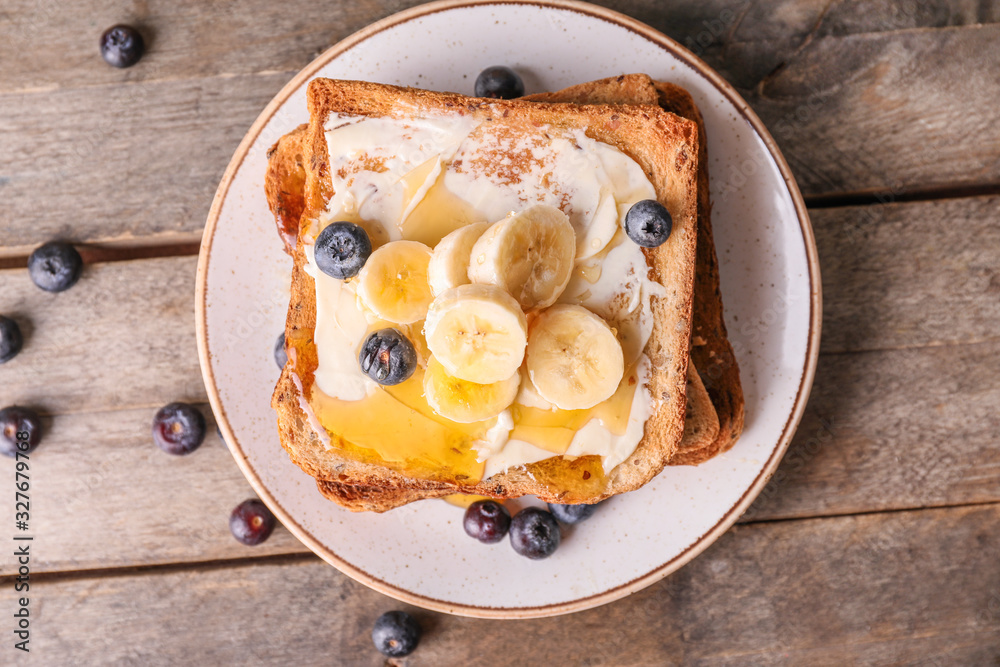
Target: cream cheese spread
[[382, 170]]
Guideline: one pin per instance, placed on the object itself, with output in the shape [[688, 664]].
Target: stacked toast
[[694, 378]]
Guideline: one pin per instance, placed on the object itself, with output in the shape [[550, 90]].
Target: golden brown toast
[[285, 182], [711, 348], [711, 352], [662, 143]]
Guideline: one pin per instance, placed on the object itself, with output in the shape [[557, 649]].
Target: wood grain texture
[[893, 429], [909, 275], [904, 588], [122, 337], [856, 99], [105, 496]]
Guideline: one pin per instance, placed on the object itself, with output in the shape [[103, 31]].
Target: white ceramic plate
[[770, 280]]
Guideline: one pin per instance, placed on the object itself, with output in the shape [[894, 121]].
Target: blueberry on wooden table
[[500, 82], [55, 266], [396, 634], [341, 249], [534, 533], [122, 46], [251, 522], [571, 514], [486, 521], [19, 427], [10, 339], [388, 357], [178, 428], [648, 223], [280, 356]]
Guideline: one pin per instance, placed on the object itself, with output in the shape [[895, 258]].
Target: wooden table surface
[[877, 540]]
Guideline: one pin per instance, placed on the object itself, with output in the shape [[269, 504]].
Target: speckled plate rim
[[696, 547]]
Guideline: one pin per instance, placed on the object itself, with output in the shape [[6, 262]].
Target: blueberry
[[178, 428], [572, 513], [534, 533], [648, 223], [499, 81], [122, 46], [251, 522], [10, 339], [388, 357], [19, 426], [280, 356], [396, 634], [55, 266], [487, 521], [341, 249]]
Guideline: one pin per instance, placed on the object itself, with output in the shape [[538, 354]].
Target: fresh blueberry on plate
[[648, 223], [341, 249], [10, 339], [487, 521], [388, 357], [18, 426], [571, 514], [122, 46], [500, 82], [55, 266], [396, 634], [178, 428], [251, 522], [280, 356], [534, 533]]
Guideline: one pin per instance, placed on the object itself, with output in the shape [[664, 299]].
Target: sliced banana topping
[[477, 332], [573, 357], [393, 283], [463, 401], [449, 265], [530, 255], [603, 225]]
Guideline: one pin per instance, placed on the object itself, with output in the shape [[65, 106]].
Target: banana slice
[[393, 282], [530, 255], [477, 332], [463, 401], [573, 357], [449, 265], [601, 229]]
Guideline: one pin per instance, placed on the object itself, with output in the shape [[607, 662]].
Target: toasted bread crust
[[662, 143], [285, 182], [711, 350]]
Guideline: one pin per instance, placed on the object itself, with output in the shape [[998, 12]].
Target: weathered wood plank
[[105, 496], [121, 163], [186, 42], [904, 588], [121, 337], [908, 275], [881, 113], [138, 154], [895, 429]]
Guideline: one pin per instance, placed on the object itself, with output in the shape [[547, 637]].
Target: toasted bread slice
[[711, 351], [662, 143]]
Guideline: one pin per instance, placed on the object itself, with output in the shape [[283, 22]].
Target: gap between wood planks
[[93, 253], [309, 556], [96, 253]]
